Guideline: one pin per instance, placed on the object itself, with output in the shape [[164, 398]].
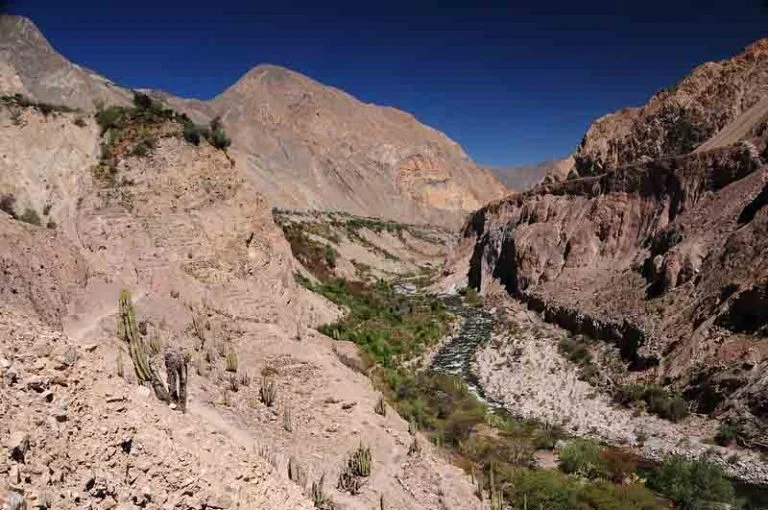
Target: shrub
[[231, 361], [30, 216], [727, 434], [109, 118], [618, 465], [142, 101], [8, 204], [581, 457], [330, 256], [574, 351], [191, 133], [691, 484], [659, 401], [219, 139], [79, 122]]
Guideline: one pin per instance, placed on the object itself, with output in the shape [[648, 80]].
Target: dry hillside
[[301, 143]]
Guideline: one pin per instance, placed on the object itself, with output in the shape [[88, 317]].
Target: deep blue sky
[[512, 82]]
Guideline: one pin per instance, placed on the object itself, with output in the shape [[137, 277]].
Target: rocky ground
[[210, 273], [522, 368]]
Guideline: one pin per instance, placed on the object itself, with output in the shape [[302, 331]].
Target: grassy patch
[[389, 327], [46, 109], [656, 399]]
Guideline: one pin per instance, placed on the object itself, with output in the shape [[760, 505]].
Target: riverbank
[[522, 368]]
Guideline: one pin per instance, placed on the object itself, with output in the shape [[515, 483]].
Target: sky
[[512, 82]]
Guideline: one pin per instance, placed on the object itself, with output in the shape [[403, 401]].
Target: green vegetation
[[387, 326], [355, 470], [8, 205], [658, 400], [577, 351], [727, 434], [268, 391], [30, 216], [135, 131], [692, 484], [471, 296], [46, 109]]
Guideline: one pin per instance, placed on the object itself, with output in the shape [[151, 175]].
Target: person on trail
[[176, 368]]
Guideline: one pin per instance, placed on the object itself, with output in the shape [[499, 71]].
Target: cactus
[[268, 392], [295, 473], [381, 407], [231, 361], [120, 369], [287, 421], [413, 427], [415, 447], [357, 468], [318, 497], [155, 345], [129, 332]]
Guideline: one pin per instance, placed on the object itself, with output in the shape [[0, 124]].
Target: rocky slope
[[301, 143], [681, 118], [665, 257], [180, 227]]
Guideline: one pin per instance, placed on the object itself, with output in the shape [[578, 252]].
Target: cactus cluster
[[128, 331], [231, 361], [381, 406], [268, 392], [295, 473], [287, 420], [356, 469]]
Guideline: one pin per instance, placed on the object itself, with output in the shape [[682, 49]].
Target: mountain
[[681, 118], [119, 238], [524, 177], [303, 144], [656, 241]]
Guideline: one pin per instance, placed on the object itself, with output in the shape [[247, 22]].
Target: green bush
[[582, 457], [574, 351], [330, 256], [727, 434], [30, 216], [658, 400], [191, 133], [691, 484], [552, 490], [219, 139], [110, 118], [142, 101]]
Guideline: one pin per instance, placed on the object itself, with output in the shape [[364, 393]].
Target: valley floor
[[523, 369]]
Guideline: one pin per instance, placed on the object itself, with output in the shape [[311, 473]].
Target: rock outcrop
[[666, 256], [716, 105]]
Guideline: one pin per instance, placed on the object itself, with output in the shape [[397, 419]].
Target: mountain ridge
[[305, 144]]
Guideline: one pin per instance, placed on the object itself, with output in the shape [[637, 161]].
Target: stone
[[16, 501], [143, 391], [18, 445], [218, 501]]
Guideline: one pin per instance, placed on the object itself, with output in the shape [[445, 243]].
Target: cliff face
[[303, 144], [668, 259], [656, 239], [678, 120]]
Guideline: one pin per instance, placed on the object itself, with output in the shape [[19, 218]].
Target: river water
[[455, 356]]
